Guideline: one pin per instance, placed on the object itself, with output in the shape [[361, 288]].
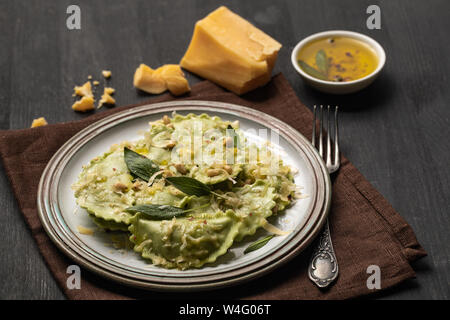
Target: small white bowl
[[340, 87]]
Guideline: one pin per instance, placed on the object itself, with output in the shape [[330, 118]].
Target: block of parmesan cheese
[[230, 51]]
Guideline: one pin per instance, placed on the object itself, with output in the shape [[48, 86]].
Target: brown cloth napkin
[[365, 229]]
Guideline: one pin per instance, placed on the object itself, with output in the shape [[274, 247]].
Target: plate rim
[[249, 271]]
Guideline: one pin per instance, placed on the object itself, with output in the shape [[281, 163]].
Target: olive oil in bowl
[[338, 59]]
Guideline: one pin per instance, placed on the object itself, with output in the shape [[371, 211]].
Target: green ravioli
[[241, 194]]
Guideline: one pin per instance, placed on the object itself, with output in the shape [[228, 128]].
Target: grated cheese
[[84, 230], [272, 229]]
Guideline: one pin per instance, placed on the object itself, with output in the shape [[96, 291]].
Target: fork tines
[[331, 166]]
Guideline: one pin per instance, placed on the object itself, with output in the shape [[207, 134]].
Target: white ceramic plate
[[61, 216]]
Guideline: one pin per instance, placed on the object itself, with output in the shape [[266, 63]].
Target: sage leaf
[[157, 211], [322, 62], [311, 71], [234, 135], [258, 244], [190, 186], [139, 165]]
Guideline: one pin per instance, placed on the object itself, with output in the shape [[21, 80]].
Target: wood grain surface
[[396, 132]]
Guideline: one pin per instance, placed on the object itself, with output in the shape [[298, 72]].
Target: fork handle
[[323, 268]]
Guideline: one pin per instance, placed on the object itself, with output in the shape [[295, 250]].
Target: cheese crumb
[[96, 83], [89, 77], [86, 103], [147, 80], [106, 74], [85, 90], [39, 122], [83, 105], [167, 77], [109, 90], [85, 231], [106, 97], [175, 80]]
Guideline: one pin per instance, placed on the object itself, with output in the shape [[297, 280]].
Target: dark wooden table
[[396, 131]]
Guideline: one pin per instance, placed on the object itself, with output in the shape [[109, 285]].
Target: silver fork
[[323, 268]]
